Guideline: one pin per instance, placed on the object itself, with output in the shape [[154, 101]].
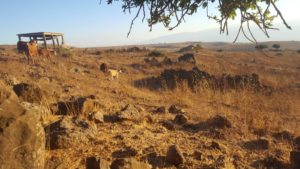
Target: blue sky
[[87, 23]]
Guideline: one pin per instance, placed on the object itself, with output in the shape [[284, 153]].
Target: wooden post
[[45, 41], [54, 46], [57, 42], [19, 37], [62, 39]]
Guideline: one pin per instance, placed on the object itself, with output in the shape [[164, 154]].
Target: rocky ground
[[228, 110]]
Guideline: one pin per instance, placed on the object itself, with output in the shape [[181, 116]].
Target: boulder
[[97, 117], [176, 110], [283, 136], [104, 67], [129, 112], [57, 162], [197, 155], [129, 163], [69, 132], [28, 93], [259, 144], [215, 145], [161, 109], [270, 162], [169, 125], [297, 143], [219, 122], [96, 163], [295, 159], [180, 119], [174, 156], [22, 137], [75, 70], [125, 153]]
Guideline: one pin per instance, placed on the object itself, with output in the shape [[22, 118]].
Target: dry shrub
[[155, 53], [4, 93], [66, 53], [180, 95]]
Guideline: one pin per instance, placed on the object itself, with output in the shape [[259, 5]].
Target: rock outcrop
[[22, 137], [129, 163], [29, 93], [174, 156], [69, 132], [130, 112]]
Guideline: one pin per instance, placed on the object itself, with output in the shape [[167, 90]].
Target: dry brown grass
[[248, 111]]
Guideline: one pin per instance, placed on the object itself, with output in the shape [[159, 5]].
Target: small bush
[[276, 46], [67, 53], [155, 53], [109, 50], [98, 52], [298, 51], [134, 49], [261, 47]]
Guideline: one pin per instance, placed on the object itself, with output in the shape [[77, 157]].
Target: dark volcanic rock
[[104, 67], [284, 135], [297, 143], [270, 163], [87, 106], [174, 156], [96, 163], [130, 112], [69, 132], [195, 78], [215, 145], [197, 155], [187, 57], [180, 119], [161, 110], [176, 110], [219, 122], [125, 153], [129, 163], [29, 93], [295, 159], [260, 144], [169, 125]]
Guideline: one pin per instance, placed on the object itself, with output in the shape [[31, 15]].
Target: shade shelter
[[57, 39]]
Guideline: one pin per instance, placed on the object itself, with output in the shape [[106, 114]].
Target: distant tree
[[155, 53], [261, 47], [169, 11], [276, 46]]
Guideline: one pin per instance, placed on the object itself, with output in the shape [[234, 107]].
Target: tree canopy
[[166, 12]]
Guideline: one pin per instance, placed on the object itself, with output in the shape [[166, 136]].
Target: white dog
[[114, 74]]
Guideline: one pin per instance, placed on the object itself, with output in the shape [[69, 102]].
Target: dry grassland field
[[228, 109]]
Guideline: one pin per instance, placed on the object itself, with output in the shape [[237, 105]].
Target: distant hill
[[229, 46], [284, 45], [289, 36]]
